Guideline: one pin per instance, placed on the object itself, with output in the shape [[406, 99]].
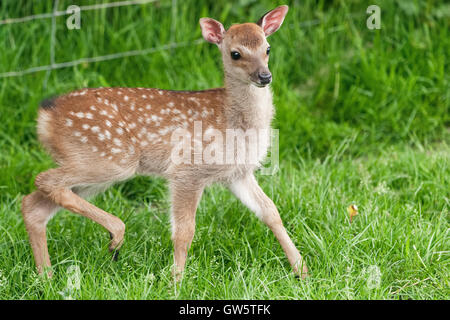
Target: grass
[[363, 118]]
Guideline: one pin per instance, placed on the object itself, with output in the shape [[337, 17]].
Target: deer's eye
[[268, 50], [235, 55]]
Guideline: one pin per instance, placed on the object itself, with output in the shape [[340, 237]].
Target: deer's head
[[244, 47]]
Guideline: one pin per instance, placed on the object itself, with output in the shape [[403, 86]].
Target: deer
[[101, 136]]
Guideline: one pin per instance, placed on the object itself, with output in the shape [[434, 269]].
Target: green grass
[[363, 118]]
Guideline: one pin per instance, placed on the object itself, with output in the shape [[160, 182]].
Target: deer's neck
[[247, 105]]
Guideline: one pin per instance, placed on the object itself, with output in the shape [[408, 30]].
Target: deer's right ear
[[212, 30]]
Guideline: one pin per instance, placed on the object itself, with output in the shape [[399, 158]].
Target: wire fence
[[118, 55], [56, 13]]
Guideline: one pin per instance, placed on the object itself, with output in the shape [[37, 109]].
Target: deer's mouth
[[259, 84]]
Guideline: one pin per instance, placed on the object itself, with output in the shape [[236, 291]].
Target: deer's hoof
[[115, 255], [303, 274], [114, 250]]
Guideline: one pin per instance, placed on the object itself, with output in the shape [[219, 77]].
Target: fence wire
[[56, 13], [54, 65]]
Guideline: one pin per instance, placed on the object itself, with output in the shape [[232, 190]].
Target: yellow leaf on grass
[[352, 211]]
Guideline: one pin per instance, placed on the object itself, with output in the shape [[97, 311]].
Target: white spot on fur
[[151, 136], [117, 142], [80, 115], [119, 131], [116, 150], [69, 122], [194, 100], [85, 126], [95, 129], [163, 131], [108, 123], [126, 98]]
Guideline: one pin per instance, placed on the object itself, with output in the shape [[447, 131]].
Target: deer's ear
[[212, 30], [272, 20]]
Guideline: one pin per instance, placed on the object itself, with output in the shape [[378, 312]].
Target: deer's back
[[123, 127]]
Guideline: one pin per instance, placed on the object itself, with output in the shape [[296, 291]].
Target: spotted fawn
[[102, 136]]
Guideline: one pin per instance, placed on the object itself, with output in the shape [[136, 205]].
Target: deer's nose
[[265, 77]]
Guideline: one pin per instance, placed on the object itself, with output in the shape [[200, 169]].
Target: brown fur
[[248, 34]]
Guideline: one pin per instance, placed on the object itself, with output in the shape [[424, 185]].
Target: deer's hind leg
[[55, 190], [37, 209]]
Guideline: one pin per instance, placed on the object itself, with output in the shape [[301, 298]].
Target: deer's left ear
[[272, 20]]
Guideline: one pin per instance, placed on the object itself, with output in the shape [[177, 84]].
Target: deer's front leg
[[185, 198], [250, 193]]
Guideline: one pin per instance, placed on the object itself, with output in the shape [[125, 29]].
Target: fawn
[[105, 135]]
